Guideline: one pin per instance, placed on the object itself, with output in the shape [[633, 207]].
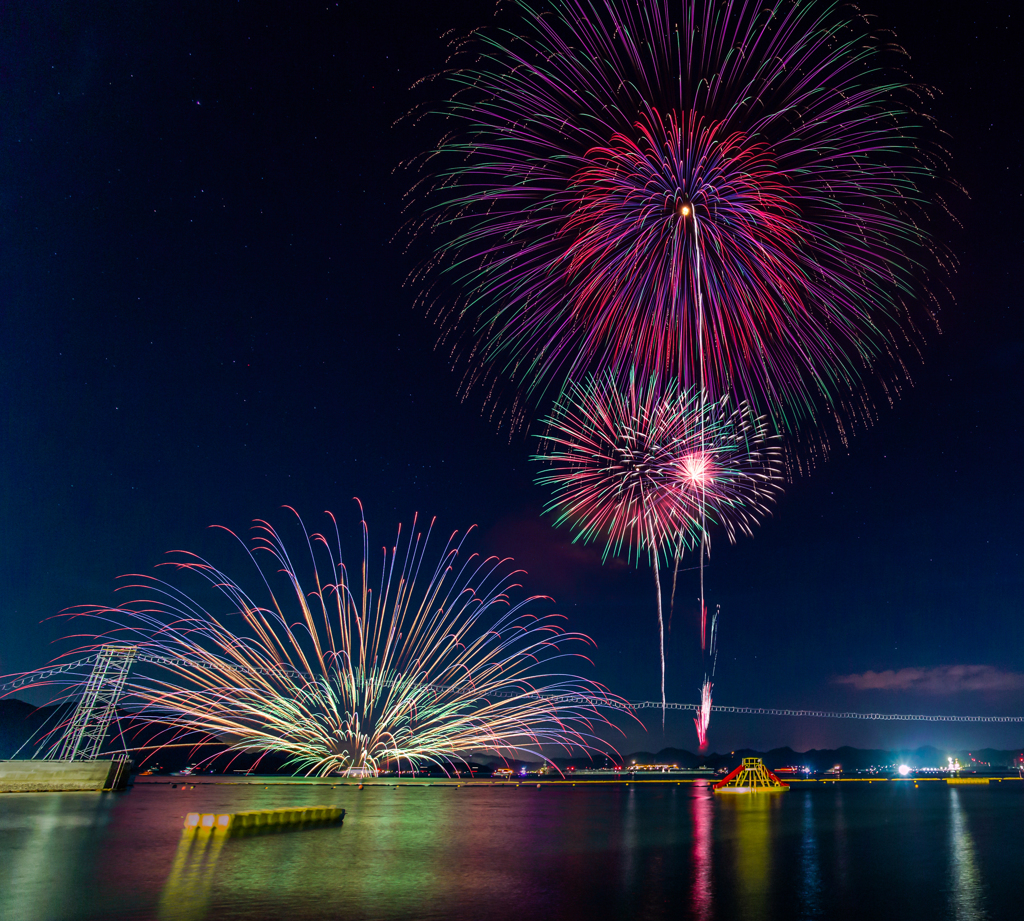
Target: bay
[[594, 851]]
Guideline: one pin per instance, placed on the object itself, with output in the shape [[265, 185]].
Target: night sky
[[203, 318]]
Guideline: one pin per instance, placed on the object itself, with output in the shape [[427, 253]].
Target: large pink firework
[[732, 195]]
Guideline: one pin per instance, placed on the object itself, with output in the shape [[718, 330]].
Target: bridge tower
[[88, 727]]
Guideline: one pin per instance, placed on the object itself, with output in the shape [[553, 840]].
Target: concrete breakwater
[[30, 776]]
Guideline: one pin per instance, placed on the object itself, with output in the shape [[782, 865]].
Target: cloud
[[946, 679], [553, 562]]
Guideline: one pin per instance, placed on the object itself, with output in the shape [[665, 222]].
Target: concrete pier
[[29, 776]]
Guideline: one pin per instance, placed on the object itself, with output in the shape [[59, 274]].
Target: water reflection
[[967, 889], [628, 846], [504, 854], [810, 867], [752, 817], [186, 894], [45, 853], [702, 812], [842, 863], [24, 896], [376, 858]]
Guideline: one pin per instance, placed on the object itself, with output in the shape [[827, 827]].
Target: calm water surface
[[644, 851]]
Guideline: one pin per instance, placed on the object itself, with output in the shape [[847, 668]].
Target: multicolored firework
[[667, 182], [645, 471], [437, 663], [631, 464]]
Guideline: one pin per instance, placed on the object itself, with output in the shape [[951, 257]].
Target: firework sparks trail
[[602, 151], [703, 719], [436, 663], [644, 470]]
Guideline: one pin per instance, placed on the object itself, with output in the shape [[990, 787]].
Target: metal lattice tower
[[87, 729]]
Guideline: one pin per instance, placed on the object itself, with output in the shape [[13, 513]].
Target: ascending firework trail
[[703, 718]]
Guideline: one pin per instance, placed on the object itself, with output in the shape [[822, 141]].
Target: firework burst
[[642, 469], [421, 664], [673, 185], [646, 472]]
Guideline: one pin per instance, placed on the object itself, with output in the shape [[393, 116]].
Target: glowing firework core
[[697, 470]]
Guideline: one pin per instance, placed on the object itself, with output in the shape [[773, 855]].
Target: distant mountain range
[[20, 721]]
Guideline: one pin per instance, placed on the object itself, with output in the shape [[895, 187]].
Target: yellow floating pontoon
[[263, 819]]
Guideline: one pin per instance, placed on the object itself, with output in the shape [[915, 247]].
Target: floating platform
[[967, 780], [32, 776], [259, 820], [750, 777]]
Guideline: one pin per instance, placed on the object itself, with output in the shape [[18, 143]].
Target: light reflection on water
[[810, 868], [967, 896], [642, 851], [752, 816], [703, 821], [186, 895], [54, 824], [841, 843]]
